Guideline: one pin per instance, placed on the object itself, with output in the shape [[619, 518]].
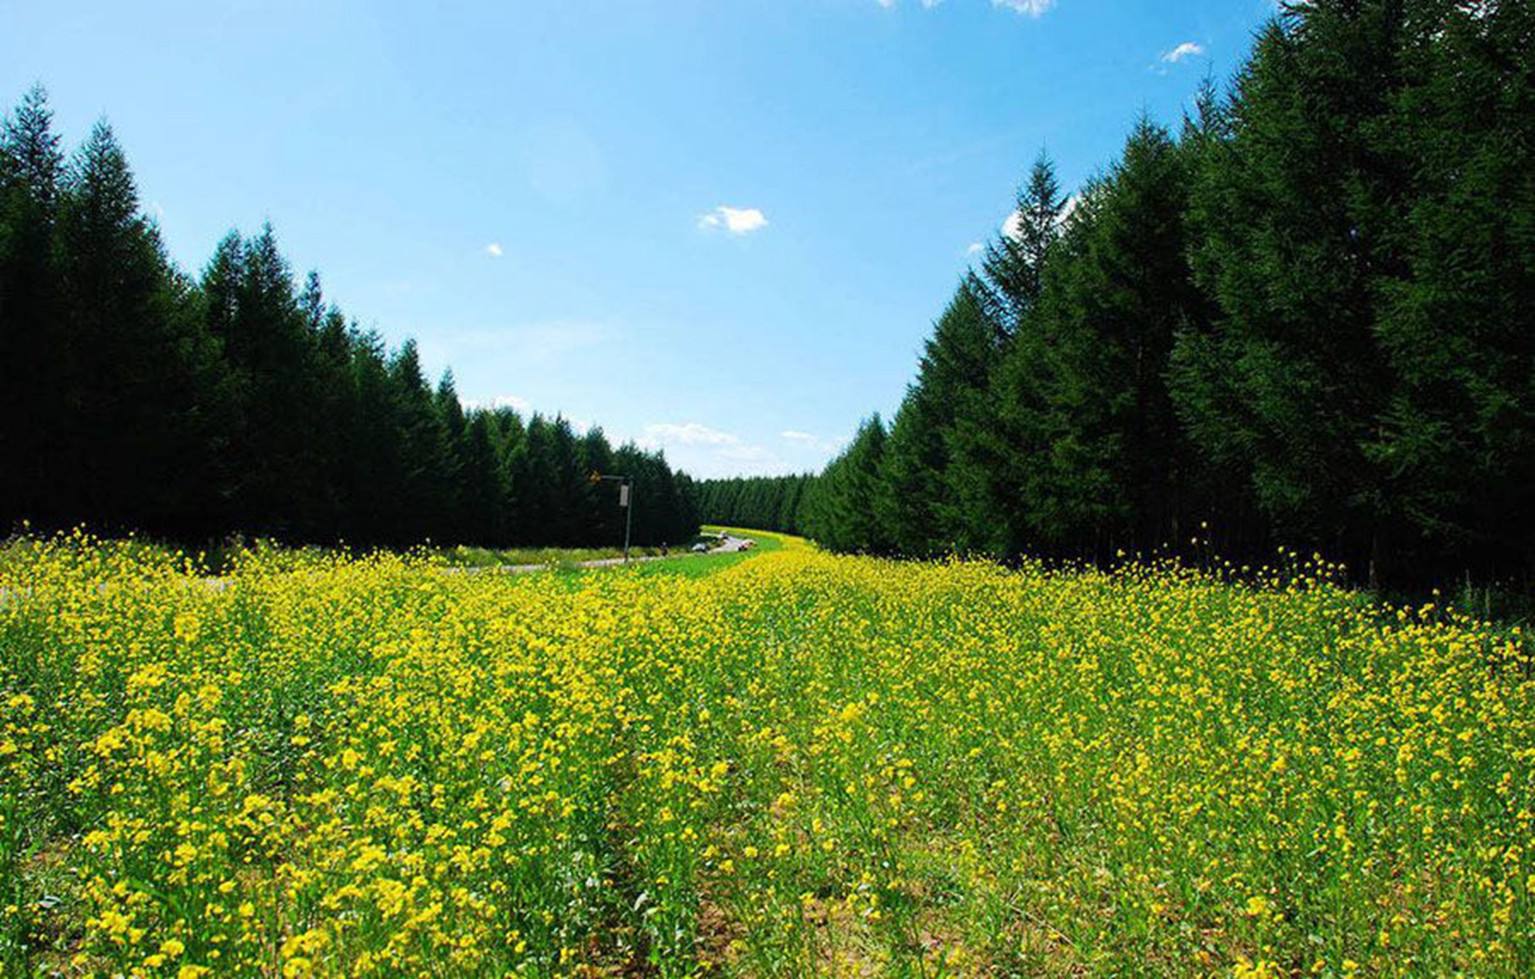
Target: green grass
[[803, 765]]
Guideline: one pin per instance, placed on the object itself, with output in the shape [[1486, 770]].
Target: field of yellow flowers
[[798, 765]]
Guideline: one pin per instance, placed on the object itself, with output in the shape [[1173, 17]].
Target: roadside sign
[[623, 494]]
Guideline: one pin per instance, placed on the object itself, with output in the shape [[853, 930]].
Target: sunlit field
[[795, 765]]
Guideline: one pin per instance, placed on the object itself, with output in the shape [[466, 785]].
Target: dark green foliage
[[1111, 459], [1456, 439], [141, 367], [665, 511], [1305, 321], [843, 506], [35, 347], [1289, 382], [933, 469], [1014, 263], [132, 398], [757, 502]]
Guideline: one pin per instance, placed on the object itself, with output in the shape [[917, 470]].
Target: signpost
[[625, 500]]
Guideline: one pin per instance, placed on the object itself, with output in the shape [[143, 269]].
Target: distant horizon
[[628, 218]]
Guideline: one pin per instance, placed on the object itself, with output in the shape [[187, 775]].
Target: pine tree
[[1290, 215], [132, 398], [843, 510], [1014, 263], [933, 501], [422, 449], [1457, 439], [375, 482], [482, 490], [452, 428], [1109, 323], [599, 520], [144, 367], [36, 355]]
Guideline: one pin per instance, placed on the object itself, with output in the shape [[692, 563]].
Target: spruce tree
[[932, 502], [36, 353], [1291, 217], [1014, 262], [452, 428], [144, 368], [422, 448], [843, 513], [1457, 438], [482, 486]]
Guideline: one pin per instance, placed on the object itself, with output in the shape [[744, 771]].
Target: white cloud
[[736, 220], [1029, 8], [1188, 49], [688, 433], [808, 440], [517, 404], [1012, 225], [1070, 207], [974, 248], [704, 451], [493, 249]]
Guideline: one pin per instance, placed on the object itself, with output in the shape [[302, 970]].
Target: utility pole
[[625, 500]]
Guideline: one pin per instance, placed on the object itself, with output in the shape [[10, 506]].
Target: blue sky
[[722, 228]]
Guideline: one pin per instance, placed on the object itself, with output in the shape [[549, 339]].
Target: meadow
[[780, 764]]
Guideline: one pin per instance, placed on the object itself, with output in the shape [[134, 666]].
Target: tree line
[[134, 397], [1305, 318], [758, 502]]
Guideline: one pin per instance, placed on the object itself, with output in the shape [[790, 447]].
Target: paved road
[[730, 546]]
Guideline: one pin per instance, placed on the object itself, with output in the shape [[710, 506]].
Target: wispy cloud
[[706, 451], [1072, 203], [1188, 49], [736, 220], [974, 248], [687, 433], [810, 440], [1012, 225], [1029, 8], [493, 249]]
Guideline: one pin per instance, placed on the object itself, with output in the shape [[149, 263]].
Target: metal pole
[[625, 500], [628, 518]]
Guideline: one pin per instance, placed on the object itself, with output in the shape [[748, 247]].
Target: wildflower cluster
[[802, 764]]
